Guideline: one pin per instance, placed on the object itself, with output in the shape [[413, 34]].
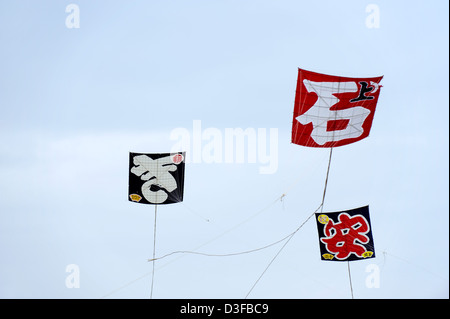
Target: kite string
[[220, 255], [205, 254], [280, 198], [270, 263], [326, 180], [154, 250], [237, 253], [292, 235], [279, 251], [323, 201], [350, 278]]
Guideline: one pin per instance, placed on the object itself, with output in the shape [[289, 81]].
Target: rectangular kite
[[156, 178], [332, 111], [345, 235]]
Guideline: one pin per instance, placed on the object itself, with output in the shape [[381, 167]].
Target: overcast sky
[[76, 99]]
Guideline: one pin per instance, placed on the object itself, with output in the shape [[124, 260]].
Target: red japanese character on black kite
[[345, 235]]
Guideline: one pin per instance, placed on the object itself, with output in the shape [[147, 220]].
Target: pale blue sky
[[74, 102]]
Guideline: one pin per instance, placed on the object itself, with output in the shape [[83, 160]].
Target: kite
[[345, 235], [156, 178], [332, 111]]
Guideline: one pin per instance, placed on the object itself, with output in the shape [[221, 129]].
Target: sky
[[80, 89]]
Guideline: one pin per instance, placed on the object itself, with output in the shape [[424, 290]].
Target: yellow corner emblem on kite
[[135, 197], [367, 254], [323, 219], [328, 256]]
